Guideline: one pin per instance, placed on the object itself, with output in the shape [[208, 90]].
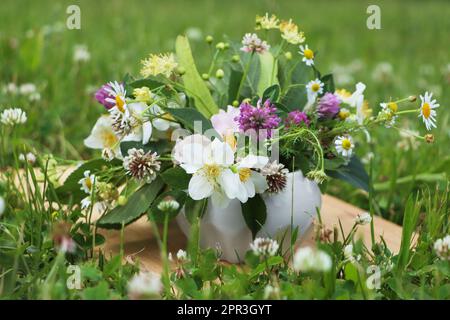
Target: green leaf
[[157, 215], [135, 207], [99, 292], [233, 84], [269, 71], [328, 82], [353, 173], [255, 213], [272, 93], [295, 90], [159, 147], [188, 116], [193, 83], [176, 178], [194, 209]]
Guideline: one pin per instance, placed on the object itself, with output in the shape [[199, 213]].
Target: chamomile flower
[[308, 55], [427, 111], [344, 146], [388, 113], [157, 64], [87, 182], [313, 89]]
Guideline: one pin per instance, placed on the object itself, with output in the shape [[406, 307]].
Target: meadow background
[[410, 54]]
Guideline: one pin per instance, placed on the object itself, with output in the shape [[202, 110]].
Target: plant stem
[[244, 76]]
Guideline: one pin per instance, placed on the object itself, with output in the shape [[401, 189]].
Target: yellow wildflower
[[158, 64], [267, 23]]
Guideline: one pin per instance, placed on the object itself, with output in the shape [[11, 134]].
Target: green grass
[[413, 39]]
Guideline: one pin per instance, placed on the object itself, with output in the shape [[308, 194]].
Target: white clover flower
[[306, 259], [144, 285], [13, 116], [251, 43], [143, 166], [442, 248], [27, 89], [182, 255], [348, 254], [363, 218], [264, 247], [169, 205], [308, 55], [87, 183], [29, 157], [81, 53], [427, 111], [2, 205], [344, 146]]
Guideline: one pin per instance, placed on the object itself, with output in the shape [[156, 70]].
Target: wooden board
[[139, 242]]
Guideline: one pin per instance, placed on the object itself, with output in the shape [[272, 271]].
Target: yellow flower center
[[308, 53], [244, 174], [426, 110], [212, 170], [344, 114], [88, 182], [231, 140], [346, 144], [393, 106], [109, 139], [315, 87], [120, 104]]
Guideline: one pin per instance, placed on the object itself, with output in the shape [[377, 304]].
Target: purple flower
[[103, 94], [295, 118], [262, 117], [328, 106]]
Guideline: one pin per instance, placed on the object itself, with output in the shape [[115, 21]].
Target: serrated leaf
[[255, 213], [135, 207], [193, 83]]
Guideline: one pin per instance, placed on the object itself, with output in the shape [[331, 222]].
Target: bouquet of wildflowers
[[176, 137]]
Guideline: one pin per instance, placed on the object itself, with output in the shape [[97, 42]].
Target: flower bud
[[235, 103], [235, 58], [227, 45], [205, 76], [122, 200], [220, 46], [412, 98], [288, 55], [209, 39], [429, 138], [220, 73], [180, 71]]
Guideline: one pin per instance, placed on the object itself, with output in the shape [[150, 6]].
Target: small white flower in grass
[[104, 137], [182, 255], [363, 218], [306, 259], [13, 116], [10, 88], [442, 248], [427, 111], [81, 53], [344, 146], [144, 285], [2, 205], [264, 247], [27, 89], [308, 55], [29, 157], [87, 183], [251, 43], [348, 254], [313, 89], [143, 166]]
